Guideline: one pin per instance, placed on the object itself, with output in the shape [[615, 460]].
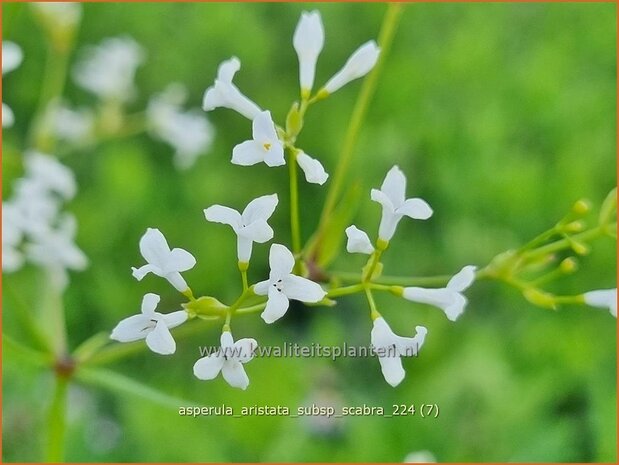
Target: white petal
[[8, 118], [260, 209], [174, 319], [308, 40], [417, 209], [382, 198], [227, 342], [227, 69], [463, 279], [154, 247], [244, 246], [134, 328], [392, 369], [358, 241], [224, 215], [235, 375], [604, 298], [409, 346], [313, 169], [262, 288], [258, 231], [359, 64], [208, 367], [274, 156], [149, 304], [302, 289], [276, 307], [281, 260], [437, 297], [263, 128], [244, 349], [177, 281], [388, 224], [394, 186], [456, 308], [382, 335], [179, 260], [139, 273], [248, 153], [160, 339], [11, 56], [12, 260]]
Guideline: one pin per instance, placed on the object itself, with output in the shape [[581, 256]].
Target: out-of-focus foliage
[[502, 115]]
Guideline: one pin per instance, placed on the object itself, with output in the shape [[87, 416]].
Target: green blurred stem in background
[[57, 421], [385, 39]]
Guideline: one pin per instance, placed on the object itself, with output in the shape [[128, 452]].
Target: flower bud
[[581, 207], [540, 298], [569, 265], [359, 64]]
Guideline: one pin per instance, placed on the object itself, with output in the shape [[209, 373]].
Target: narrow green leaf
[[14, 351], [124, 385]]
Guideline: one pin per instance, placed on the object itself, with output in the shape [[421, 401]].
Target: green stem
[[244, 279], [348, 290], [565, 243], [56, 67], [295, 227], [374, 313], [374, 261], [252, 309], [56, 422], [385, 39]]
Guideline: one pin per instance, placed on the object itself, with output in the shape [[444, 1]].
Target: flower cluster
[[33, 226], [289, 277]]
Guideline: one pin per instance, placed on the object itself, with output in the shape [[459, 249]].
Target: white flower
[[420, 456], [604, 298], [312, 168], [229, 360], [359, 64], [250, 226], [358, 241], [38, 208], [188, 132], [265, 146], [73, 126], [11, 58], [162, 261], [12, 258], [59, 14], [108, 70], [392, 197], [283, 286], [152, 325], [225, 94], [389, 347], [308, 40], [50, 174], [56, 251], [450, 298]]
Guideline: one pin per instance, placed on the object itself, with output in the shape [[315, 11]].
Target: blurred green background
[[501, 115]]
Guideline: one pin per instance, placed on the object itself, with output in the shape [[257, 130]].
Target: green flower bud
[[540, 298]]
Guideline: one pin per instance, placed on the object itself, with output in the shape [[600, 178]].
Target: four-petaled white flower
[[358, 241], [283, 286], [603, 298], [450, 298], [359, 64], [162, 261], [229, 359], [392, 197], [264, 145], [250, 226], [50, 175], [152, 325], [312, 168], [308, 40], [225, 94], [389, 347], [11, 58]]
